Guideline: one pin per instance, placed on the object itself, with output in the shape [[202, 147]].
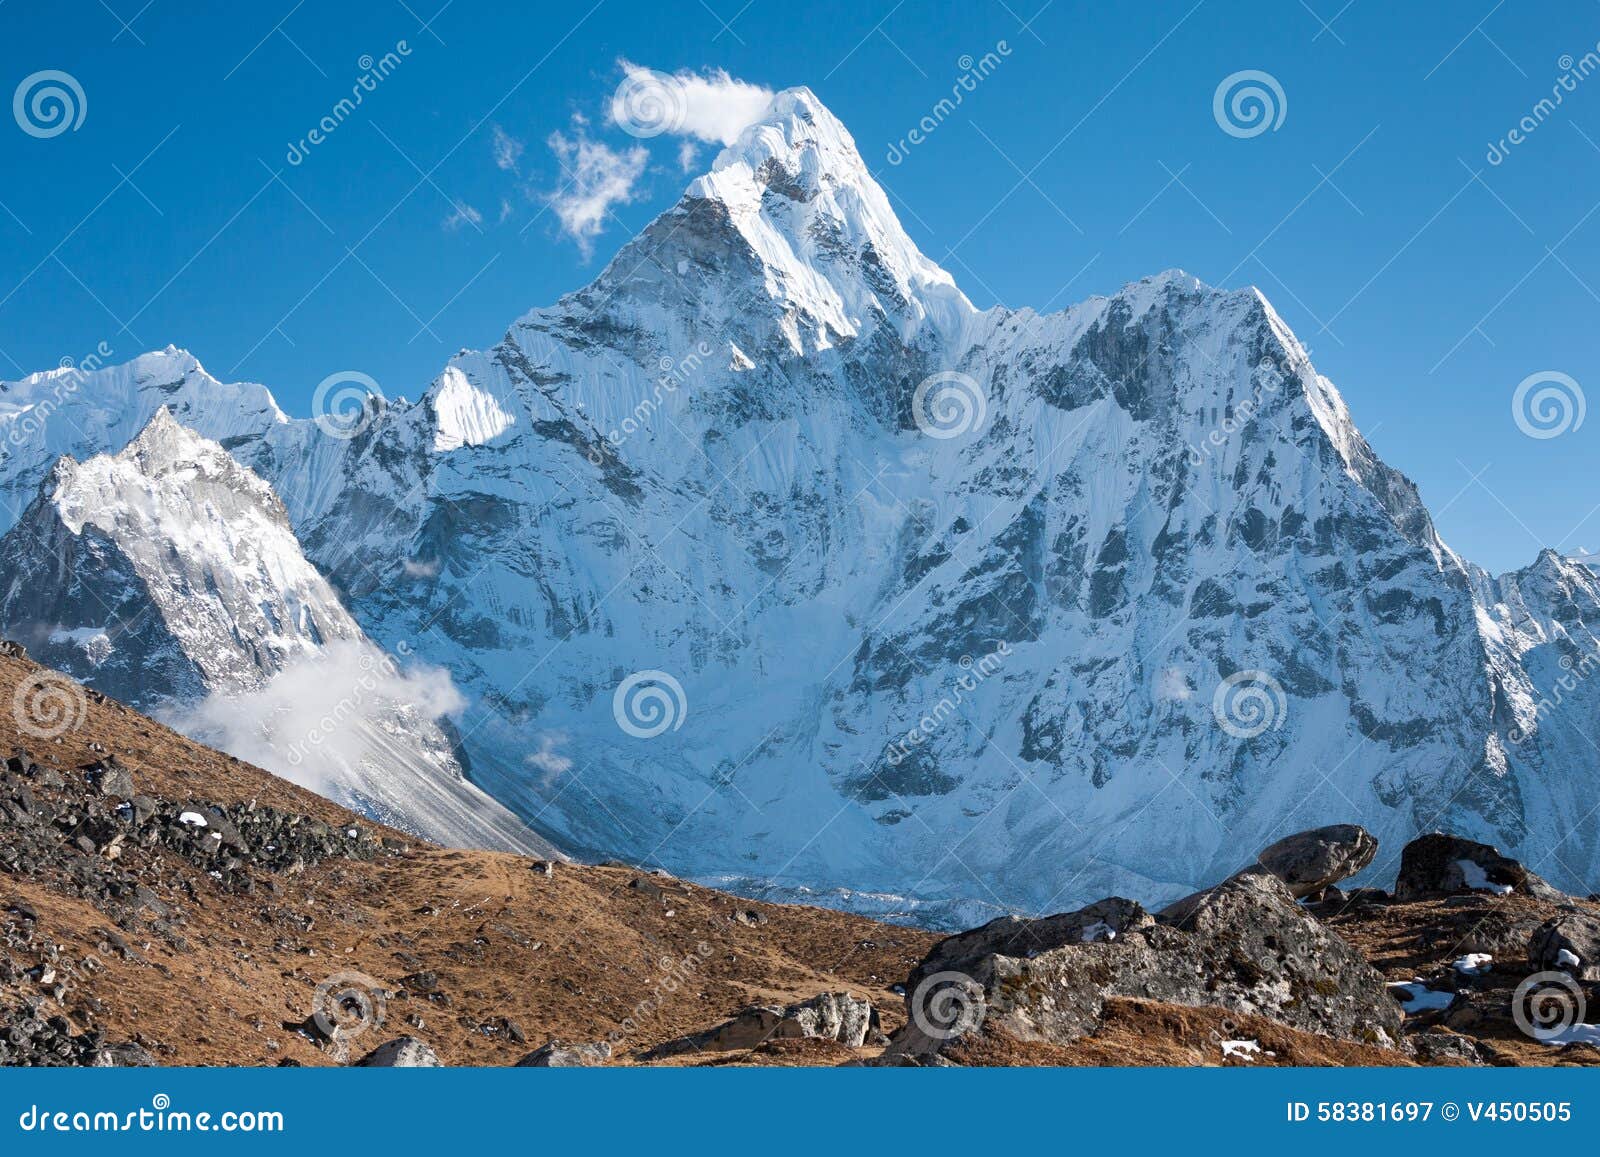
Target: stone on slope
[[835, 1016], [1015, 936], [556, 1055], [1570, 943], [1309, 862], [1440, 864], [1244, 945], [406, 1052]]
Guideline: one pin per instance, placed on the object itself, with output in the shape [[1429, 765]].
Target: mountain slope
[[960, 608], [168, 576]]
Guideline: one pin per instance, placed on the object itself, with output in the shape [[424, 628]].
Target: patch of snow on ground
[[1474, 964], [1417, 997], [1243, 1049]]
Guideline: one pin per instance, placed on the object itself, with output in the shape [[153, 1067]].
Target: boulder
[[406, 1052], [124, 1056], [1309, 862], [111, 778], [1245, 945], [835, 1016], [1437, 864], [555, 1055], [1567, 943], [1015, 936]]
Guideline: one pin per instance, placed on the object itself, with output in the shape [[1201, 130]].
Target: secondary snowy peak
[[168, 575], [91, 408], [170, 527]]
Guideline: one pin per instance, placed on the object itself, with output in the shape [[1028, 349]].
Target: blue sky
[[1428, 282]]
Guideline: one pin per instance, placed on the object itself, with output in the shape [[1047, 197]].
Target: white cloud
[[594, 178], [465, 214], [326, 721], [548, 759], [711, 106], [507, 150], [688, 151]]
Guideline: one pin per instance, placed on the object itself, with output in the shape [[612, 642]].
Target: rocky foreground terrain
[[162, 903]]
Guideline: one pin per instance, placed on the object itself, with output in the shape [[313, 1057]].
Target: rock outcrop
[[556, 1055], [406, 1052], [1244, 945], [1567, 943], [1311, 862], [833, 1016], [1438, 864]]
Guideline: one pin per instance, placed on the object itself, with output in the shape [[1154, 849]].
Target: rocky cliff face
[[958, 606]]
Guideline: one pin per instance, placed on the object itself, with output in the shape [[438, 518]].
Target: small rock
[[1569, 943], [555, 1055], [406, 1052]]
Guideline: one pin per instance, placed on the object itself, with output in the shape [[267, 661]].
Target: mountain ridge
[[767, 420]]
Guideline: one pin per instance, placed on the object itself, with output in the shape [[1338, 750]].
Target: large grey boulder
[[1015, 936], [406, 1052], [834, 1016], [1310, 862], [1244, 945], [556, 1055], [1441, 865], [1568, 943]]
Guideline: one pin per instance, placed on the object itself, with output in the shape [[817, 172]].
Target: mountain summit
[[935, 610]]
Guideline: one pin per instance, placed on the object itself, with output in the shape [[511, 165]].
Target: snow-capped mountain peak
[[985, 657]]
